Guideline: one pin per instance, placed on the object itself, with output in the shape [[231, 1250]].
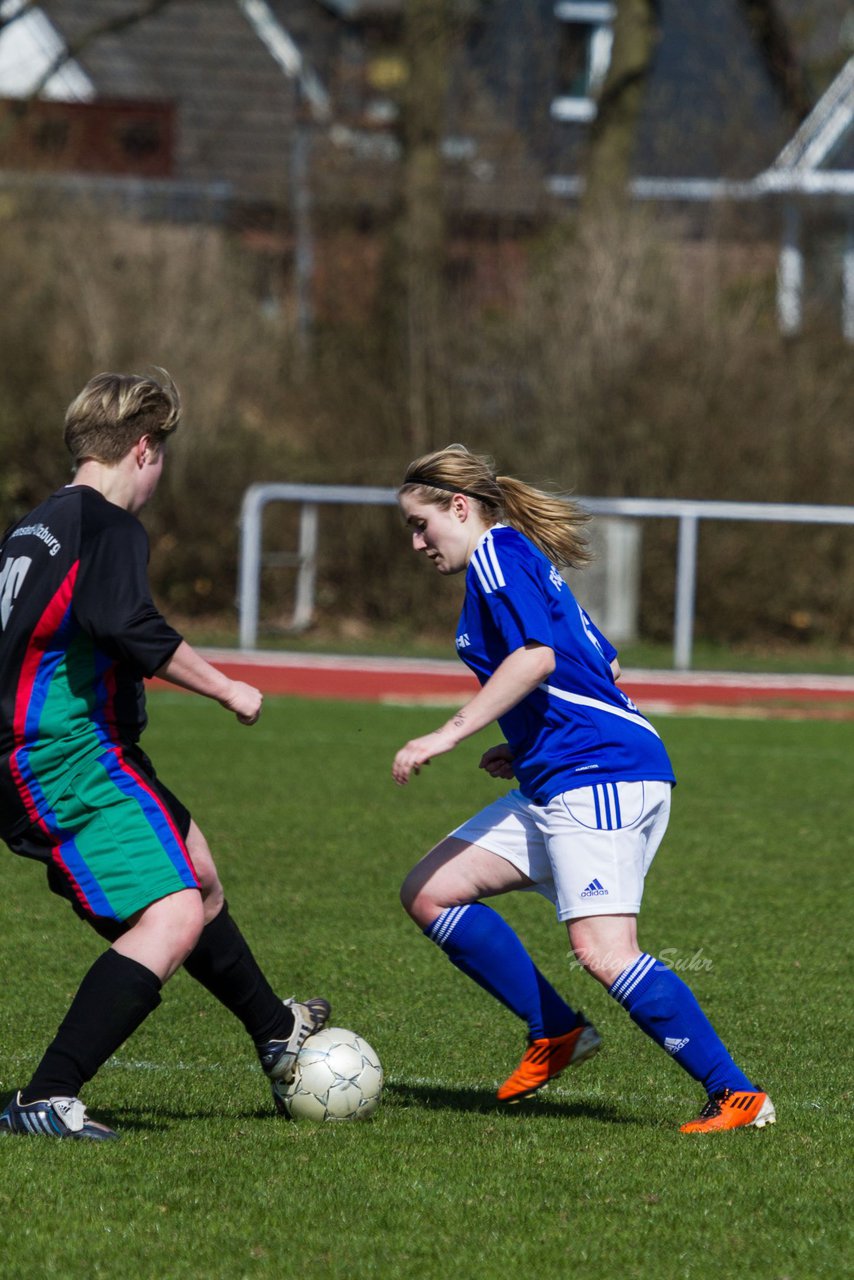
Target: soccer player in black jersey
[[78, 634]]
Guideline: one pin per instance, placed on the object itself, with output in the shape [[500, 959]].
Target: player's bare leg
[[164, 933], [455, 873], [442, 894]]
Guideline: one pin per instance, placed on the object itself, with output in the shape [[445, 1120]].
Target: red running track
[[432, 681]]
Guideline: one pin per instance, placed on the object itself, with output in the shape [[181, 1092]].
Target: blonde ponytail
[[554, 524]]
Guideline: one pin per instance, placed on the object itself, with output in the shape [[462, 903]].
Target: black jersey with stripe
[[79, 631]]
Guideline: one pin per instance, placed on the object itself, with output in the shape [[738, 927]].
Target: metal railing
[[688, 513]]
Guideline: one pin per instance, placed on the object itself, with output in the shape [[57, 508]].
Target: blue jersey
[[577, 727]]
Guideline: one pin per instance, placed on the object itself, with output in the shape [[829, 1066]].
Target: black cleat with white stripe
[[278, 1057], [53, 1118]]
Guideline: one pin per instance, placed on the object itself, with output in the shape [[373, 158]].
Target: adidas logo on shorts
[[595, 890]]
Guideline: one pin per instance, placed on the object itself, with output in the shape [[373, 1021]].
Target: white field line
[[653, 708], [734, 680], [564, 1092]]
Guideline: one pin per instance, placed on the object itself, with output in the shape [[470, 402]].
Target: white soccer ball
[[338, 1077]]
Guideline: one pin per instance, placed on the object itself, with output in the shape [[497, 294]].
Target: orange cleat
[[729, 1109], [544, 1059]]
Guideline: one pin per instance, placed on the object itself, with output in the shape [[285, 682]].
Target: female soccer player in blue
[[593, 787]]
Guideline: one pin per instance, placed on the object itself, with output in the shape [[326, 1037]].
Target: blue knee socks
[[667, 1010], [483, 946]]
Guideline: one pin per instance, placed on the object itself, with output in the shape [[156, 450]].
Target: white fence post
[[307, 571], [686, 586], [790, 273], [848, 281], [249, 572]]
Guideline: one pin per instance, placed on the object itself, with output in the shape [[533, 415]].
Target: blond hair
[[115, 409], [553, 523]]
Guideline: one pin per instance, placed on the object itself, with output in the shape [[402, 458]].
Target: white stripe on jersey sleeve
[[480, 571], [493, 556]]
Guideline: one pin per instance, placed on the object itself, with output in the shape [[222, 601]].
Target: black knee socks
[[114, 998], [117, 995], [224, 965]]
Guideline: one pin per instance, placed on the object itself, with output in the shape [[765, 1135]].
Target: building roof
[[235, 104], [721, 100]]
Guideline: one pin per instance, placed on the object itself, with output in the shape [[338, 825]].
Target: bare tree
[[426, 42], [612, 136]]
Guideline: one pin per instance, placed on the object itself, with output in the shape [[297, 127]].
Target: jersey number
[[11, 577]]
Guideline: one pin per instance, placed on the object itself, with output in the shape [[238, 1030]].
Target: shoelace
[[713, 1106]]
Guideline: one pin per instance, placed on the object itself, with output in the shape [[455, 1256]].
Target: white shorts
[[587, 850]]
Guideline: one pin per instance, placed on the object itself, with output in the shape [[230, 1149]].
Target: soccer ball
[[338, 1077]]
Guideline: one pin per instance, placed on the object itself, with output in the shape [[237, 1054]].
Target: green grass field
[[592, 1178]]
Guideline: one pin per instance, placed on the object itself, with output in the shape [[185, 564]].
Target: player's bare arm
[[516, 677], [190, 670]]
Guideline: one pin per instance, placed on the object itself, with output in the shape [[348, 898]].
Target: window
[[584, 51], [51, 135], [370, 76], [140, 139]]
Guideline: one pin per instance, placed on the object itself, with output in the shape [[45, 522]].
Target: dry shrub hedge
[[632, 362]]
